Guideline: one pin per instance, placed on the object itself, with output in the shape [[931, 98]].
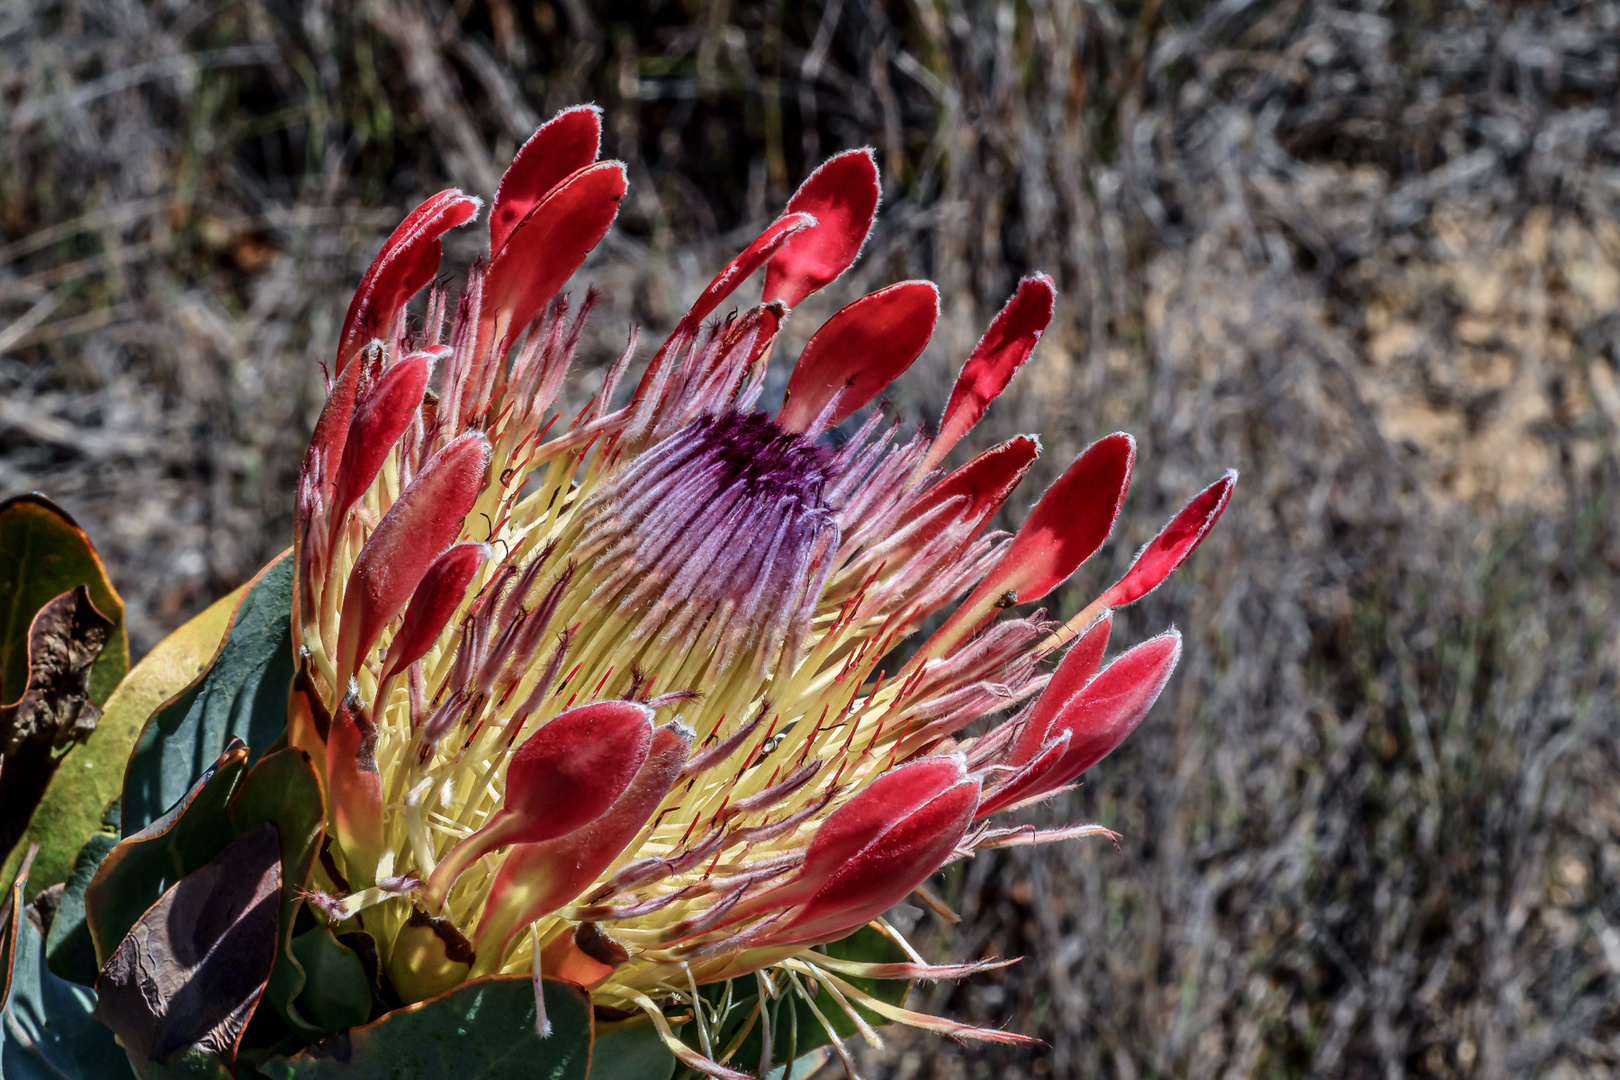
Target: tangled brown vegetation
[[1366, 253]]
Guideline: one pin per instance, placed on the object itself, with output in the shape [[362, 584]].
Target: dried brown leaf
[[192, 969], [65, 638]]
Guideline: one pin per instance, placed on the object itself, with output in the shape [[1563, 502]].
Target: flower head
[[620, 696]]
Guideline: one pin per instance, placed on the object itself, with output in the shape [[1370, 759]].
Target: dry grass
[[1366, 255]]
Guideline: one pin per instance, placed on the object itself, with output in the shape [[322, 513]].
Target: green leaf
[[631, 1052], [189, 1064], [337, 989], [92, 774], [794, 1027], [68, 948], [284, 789], [140, 868], [243, 694], [482, 1030], [44, 553], [803, 1067], [11, 918], [48, 1031]]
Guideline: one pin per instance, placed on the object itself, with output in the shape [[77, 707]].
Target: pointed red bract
[[425, 519], [1102, 715], [856, 826], [981, 487], [1013, 785], [843, 197], [434, 600], [986, 481], [537, 879], [878, 847], [1174, 543], [354, 789], [1078, 667], [560, 147], [858, 352], [1067, 526], [408, 260], [752, 258], [379, 420], [563, 777], [332, 429], [1070, 522], [569, 772], [546, 246], [997, 357]]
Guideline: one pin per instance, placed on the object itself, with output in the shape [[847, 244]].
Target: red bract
[[425, 519], [878, 847], [862, 821], [1158, 560], [1174, 543], [858, 352], [561, 147], [887, 870], [986, 481], [546, 246], [408, 261], [331, 433], [381, 418], [975, 491], [354, 788], [575, 767], [563, 777], [1078, 668], [1066, 528], [1100, 717], [755, 255], [435, 600], [537, 879], [842, 196], [858, 835], [1009, 342]]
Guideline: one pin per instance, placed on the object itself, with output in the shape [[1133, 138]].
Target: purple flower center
[[766, 462], [726, 533]]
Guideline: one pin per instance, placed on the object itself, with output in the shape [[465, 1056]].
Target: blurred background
[[1365, 253]]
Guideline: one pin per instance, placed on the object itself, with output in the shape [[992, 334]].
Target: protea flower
[[630, 697]]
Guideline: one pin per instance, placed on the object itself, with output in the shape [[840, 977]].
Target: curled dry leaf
[[65, 638], [191, 970]]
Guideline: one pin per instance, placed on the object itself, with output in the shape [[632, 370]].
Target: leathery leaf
[[47, 1030], [285, 790], [91, 776], [68, 946], [190, 973], [141, 867], [243, 695], [482, 1030], [43, 555], [632, 1051]]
